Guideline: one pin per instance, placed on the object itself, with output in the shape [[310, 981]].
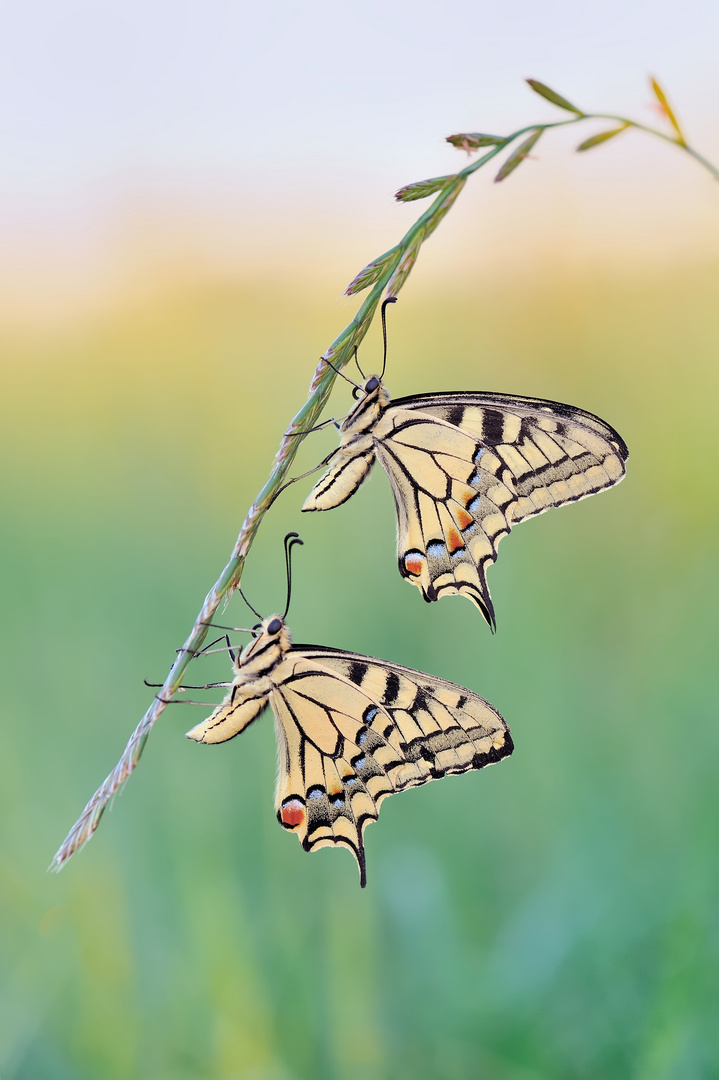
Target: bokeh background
[[186, 190]]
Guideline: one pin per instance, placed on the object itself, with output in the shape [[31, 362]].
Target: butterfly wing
[[465, 468], [352, 730]]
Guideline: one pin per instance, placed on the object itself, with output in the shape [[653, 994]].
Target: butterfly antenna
[[252, 609], [389, 300], [291, 539], [341, 373], [234, 629], [358, 366]]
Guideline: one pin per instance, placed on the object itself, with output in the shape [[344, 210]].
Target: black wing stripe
[[492, 426], [391, 689], [357, 672]]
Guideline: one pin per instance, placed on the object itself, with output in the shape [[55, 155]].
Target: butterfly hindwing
[[451, 495], [353, 730]]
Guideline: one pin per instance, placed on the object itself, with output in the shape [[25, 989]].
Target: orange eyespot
[[464, 520], [292, 814], [413, 564]]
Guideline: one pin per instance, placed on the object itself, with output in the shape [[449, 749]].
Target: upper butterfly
[[464, 468]]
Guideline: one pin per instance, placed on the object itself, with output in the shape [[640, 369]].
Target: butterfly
[[351, 730], [464, 468]]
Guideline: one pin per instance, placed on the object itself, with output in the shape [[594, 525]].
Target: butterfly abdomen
[[351, 467]]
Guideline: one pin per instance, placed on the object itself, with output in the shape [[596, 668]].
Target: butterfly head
[[270, 642], [372, 388], [270, 636], [372, 399], [273, 633]]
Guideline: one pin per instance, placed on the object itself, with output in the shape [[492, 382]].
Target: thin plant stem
[[388, 272], [623, 120]]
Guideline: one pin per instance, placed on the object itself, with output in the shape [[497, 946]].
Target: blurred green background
[[186, 190], [554, 916]]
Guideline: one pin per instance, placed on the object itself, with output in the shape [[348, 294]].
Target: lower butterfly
[[351, 730]]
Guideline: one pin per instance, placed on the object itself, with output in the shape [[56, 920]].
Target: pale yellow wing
[[352, 730]]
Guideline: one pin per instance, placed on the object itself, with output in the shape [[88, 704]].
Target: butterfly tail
[[481, 598], [476, 591], [435, 577]]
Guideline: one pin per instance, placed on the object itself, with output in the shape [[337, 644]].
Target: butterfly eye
[[274, 626], [371, 384]]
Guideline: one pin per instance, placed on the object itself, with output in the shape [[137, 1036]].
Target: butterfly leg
[[182, 701], [189, 686], [206, 649], [317, 427], [325, 461]]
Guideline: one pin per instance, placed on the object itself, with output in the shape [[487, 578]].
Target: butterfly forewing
[[352, 730], [555, 453]]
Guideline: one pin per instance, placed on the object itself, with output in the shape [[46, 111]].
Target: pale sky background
[[251, 138]]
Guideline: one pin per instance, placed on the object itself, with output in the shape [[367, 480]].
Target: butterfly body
[[464, 468], [356, 453], [351, 730]]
